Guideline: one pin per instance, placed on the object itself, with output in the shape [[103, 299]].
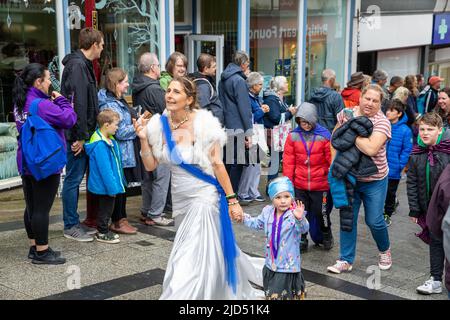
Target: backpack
[[423, 100], [215, 106], [43, 150]]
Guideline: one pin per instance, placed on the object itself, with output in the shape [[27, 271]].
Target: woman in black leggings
[[32, 87]]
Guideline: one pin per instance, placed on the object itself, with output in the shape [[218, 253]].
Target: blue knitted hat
[[281, 184]]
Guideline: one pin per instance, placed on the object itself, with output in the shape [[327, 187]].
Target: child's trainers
[[109, 237], [340, 266], [385, 260], [388, 220], [430, 286]]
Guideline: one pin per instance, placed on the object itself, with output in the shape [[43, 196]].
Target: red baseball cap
[[434, 79]]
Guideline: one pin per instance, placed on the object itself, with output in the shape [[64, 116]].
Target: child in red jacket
[[306, 161]]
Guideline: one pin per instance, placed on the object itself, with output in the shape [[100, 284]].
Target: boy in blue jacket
[[398, 151], [106, 177]]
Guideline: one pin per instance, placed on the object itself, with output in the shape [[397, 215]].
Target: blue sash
[[227, 235]]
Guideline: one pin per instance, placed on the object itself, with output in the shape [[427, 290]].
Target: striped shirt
[[380, 124]]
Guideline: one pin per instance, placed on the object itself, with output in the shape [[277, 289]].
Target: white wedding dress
[[196, 267]]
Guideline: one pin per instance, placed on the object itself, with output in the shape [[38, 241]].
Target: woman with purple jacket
[[33, 83]]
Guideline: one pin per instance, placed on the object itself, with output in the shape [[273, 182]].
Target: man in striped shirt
[[369, 190]]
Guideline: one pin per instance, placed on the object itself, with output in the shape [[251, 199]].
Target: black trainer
[[48, 258], [328, 241], [32, 252]]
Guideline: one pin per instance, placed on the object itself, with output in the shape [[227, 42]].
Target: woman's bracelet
[[233, 203], [146, 154], [231, 196]]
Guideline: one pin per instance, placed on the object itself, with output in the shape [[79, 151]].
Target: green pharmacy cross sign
[[441, 32]]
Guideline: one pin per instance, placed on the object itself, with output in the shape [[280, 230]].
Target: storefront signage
[[441, 29], [94, 20], [275, 32]]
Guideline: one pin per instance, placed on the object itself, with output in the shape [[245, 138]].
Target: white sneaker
[[430, 286], [385, 260], [340, 266]]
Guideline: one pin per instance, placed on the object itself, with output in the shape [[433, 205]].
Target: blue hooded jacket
[[233, 94], [105, 166], [329, 103], [125, 133], [399, 147]]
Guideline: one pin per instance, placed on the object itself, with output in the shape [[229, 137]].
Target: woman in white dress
[[205, 262]]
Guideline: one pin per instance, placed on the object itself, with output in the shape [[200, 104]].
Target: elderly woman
[[443, 106], [248, 185], [274, 98], [176, 66]]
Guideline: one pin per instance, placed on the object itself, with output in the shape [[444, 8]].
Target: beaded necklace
[[176, 126]]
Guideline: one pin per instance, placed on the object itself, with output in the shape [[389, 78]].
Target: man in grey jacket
[[147, 93], [328, 102], [233, 93]]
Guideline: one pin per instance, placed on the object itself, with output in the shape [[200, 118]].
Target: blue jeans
[[75, 170], [373, 195]]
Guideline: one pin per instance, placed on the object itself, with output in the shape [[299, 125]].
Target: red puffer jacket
[[307, 175]]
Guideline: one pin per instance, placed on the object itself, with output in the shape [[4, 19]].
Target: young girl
[[283, 223]]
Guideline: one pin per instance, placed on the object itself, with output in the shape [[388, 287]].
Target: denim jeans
[[372, 194], [75, 170]]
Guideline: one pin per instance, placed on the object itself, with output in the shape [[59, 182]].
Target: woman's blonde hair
[[113, 77], [190, 89], [401, 94]]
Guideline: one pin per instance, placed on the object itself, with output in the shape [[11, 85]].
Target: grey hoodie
[[308, 112]]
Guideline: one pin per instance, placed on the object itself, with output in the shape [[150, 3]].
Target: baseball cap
[[434, 79]]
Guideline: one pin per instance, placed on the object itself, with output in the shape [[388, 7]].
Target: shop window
[[325, 41], [273, 41], [130, 29], [183, 12], [27, 34], [220, 18], [399, 62]]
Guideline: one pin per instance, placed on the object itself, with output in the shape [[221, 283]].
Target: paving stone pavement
[[134, 268]]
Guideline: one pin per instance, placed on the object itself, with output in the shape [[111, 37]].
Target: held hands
[[236, 213], [299, 210]]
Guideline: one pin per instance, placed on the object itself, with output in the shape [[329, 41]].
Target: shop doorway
[[211, 44]]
